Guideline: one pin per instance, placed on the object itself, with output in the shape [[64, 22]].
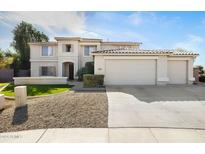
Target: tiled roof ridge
[[145, 51]]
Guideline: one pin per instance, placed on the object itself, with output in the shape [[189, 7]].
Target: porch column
[[75, 63], [60, 69]]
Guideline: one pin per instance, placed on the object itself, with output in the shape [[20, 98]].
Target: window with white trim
[[68, 47], [48, 71], [47, 51], [89, 49]]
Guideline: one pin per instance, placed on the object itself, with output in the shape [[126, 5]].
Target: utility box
[[20, 96], [2, 101]]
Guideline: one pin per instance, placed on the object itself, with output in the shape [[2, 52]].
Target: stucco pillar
[[75, 68], [190, 71], [20, 96], [60, 67], [99, 65], [2, 101], [162, 76]]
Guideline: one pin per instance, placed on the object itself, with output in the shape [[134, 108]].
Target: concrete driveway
[[156, 106]]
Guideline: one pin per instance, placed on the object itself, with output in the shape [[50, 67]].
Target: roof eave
[[121, 43], [125, 54], [144, 54], [42, 43]]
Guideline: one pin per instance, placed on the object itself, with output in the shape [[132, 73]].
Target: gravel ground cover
[[66, 110]]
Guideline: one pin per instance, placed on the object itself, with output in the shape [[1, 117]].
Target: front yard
[[37, 90], [65, 110]]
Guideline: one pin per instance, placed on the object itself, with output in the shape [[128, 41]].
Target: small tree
[[5, 60], [23, 34], [201, 69]]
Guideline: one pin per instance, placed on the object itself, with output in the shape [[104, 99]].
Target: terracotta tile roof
[[131, 51]]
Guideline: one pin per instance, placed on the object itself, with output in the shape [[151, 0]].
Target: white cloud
[[136, 18], [191, 43], [151, 18], [51, 22]]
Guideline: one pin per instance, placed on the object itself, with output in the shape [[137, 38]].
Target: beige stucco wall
[[35, 67], [36, 53], [161, 65], [83, 59], [64, 56], [76, 55]]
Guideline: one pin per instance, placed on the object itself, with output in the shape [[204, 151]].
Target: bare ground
[[67, 110]]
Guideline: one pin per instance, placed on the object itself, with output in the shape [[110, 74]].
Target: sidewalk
[[104, 135]]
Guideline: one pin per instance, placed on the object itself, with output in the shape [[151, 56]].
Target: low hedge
[[202, 78], [91, 80]]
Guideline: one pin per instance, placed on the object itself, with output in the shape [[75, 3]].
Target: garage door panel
[[130, 72], [177, 71]]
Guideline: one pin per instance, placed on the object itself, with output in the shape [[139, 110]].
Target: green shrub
[[80, 73], [90, 80], [88, 69], [202, 78]]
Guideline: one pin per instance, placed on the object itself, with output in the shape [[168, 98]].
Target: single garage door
[[177, 71], [130, 72]]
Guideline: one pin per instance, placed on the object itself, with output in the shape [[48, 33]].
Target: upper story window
[[68, 47], [89, 49], [47, 51]]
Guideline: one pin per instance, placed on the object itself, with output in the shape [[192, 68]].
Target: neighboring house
[[122, 63], [64, 57]]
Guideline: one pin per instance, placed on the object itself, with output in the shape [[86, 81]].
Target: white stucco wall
[[40, 80], [162, 77], [99, 65]]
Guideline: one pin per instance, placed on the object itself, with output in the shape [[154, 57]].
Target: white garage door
[[130, 72], [177, 71]]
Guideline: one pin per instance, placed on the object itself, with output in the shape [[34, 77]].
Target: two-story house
[[122, 63], [66, 55]]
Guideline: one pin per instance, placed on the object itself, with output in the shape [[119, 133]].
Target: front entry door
[[71, 71]]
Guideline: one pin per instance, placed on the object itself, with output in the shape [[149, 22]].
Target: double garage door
[[130, 71], [141, 72]]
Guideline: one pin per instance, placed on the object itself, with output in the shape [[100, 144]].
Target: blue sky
[[156, 30]]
